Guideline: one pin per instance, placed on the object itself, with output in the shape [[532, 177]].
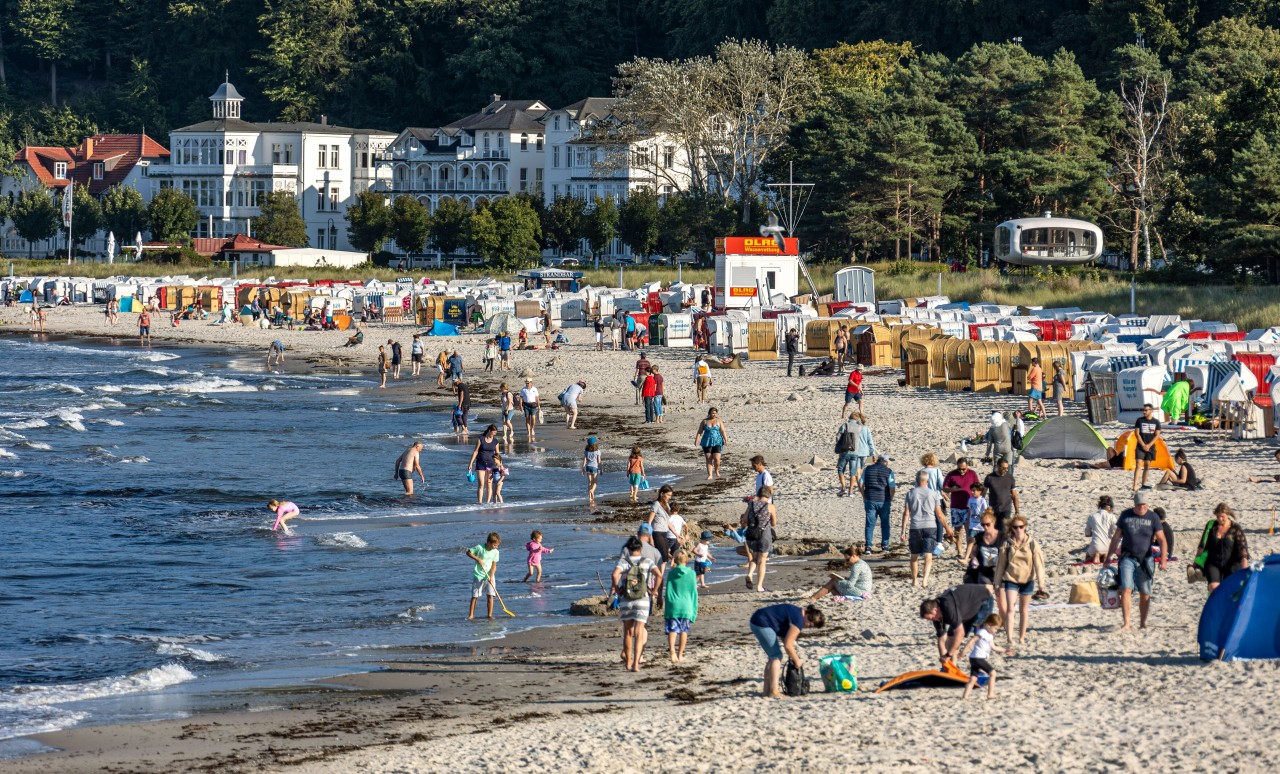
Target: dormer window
[[60, 170], [466, 139], [98, 169], [556, 122]]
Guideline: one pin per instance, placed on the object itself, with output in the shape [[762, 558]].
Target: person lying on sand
[[1266, 479]]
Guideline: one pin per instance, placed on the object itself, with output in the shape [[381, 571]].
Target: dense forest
[[1159, 120]]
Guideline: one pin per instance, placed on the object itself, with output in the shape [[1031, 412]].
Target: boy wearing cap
[[702, 557]]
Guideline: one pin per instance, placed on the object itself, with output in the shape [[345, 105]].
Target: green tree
[[124, 213], [566, 223], [675, 226], [368, 222], [280, 222], [449, 225], [307, 59], [602, 225], [505, 233], [869, 65], [172, 216], [638, 222], [35, 217], [410, 224], [86, 215], [44, 28]]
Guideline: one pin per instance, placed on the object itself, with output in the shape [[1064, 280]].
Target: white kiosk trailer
[[751, 270]]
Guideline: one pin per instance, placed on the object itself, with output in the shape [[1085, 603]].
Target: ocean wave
[[70, 389], [139, 682], [28, 424], [341, 540], [111, 403], [157, 357], [17, 719], [107, 422], [37, 445], [137, 459], [413, 613], [12, 474], [5, 454], [186, 651]]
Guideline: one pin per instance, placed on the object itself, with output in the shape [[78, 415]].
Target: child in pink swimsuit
[[536, 550], [284, 511]]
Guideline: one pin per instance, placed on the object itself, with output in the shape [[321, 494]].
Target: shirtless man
[[275, 353], [407, 464]]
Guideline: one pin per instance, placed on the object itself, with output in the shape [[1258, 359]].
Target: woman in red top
[[649, 391], [853, 391]]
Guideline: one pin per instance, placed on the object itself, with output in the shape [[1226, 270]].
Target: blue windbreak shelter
[[1241, 619], [439, 328]]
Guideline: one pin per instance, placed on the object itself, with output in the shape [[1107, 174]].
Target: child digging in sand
[[484, 573], [635, 471], [983, 643], [681, 604], [536, 550]]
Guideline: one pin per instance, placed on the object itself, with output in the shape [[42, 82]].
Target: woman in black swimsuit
[[482, 463]]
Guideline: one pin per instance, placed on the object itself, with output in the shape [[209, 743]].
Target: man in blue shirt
[[877, 486], [504, 348]]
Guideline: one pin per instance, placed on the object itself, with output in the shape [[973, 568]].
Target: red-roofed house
[[99, 162], [250, 251]]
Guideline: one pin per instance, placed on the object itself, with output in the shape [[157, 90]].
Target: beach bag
[[1016, 438], [1107, 578], [754, 530], [847, 441], [636, 584], [644, 484], [793, 680], [560, 397], [839, 673], [1203, 554]]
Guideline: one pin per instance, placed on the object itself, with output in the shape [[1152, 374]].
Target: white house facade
[[498, 151], [228, 164]]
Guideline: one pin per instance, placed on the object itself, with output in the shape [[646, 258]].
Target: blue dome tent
[[1241, 620]]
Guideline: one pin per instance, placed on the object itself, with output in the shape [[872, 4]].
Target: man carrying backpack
[[634, 578], [854, 444]]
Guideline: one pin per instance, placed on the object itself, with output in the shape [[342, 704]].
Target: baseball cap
[[645, 529], [1139, 498], [591, 439]]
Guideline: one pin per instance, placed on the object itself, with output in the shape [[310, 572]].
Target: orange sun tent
[[1128, 442], [949, 675]]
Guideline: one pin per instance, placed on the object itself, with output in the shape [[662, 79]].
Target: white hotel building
[[227, 164]]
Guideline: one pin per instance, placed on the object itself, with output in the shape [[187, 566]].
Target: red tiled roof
[[239, 243], [119, 154]]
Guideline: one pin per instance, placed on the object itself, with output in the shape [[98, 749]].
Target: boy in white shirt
[[983, 643], [702, 557]]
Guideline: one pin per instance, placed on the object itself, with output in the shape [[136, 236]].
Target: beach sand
[[1080, 695]]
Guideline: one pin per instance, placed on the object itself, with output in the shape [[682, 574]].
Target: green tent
[[1064, 438]]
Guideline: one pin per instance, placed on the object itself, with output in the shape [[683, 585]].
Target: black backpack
[[1016, 438], [794, 682], [754, 526], [847, 441]]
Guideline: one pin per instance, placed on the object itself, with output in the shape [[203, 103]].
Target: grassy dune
[[1248, 307]]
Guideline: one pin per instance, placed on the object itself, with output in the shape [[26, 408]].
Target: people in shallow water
[[284, 511]]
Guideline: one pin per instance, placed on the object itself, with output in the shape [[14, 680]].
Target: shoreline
[[1096, 697]]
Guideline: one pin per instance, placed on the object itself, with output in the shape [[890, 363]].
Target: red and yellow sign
[[755, 246], [742, 292]]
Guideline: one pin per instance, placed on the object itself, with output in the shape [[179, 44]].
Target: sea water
[[140, 570]]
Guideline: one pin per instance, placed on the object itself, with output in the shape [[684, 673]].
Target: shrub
[[175, 256]]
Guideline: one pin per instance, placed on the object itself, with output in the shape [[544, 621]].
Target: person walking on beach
[[536, 549], [615, 333], [1035, 388], [921, 516], [840, 344], [712, 438], [1019, 574], [598, 325], [659, 394], [702, 558], [397, 356], [442, 367], [660, 521], [490, 354], [1223, 546], [531, 405], [275, 353], [984, 551], [591, 468], [792, 345], [635, 471], [763, 476], [506, 404], [1059, 386], [462, 408], [758, 520], [957, 485], [407, 464], [680, 608], [504, 351], [853, 391], [701, 377], [482, 462], [1099, 528], [929, 464], [648, 392], [642, 372], [634, 578], [383, 365], [416, 352], [144, 328], [569, 399], [1147, 428], [999, 440], [877, 486], [966, 605], [777, 628], [284, 511], [980, 646], [484, 576], [1002, 492], [854, 444], [456, 370], [1137, 530]]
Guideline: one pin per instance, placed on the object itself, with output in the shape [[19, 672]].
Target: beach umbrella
[[111, 247], [137, 245]]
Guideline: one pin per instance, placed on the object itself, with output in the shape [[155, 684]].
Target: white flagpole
[[70, 211]]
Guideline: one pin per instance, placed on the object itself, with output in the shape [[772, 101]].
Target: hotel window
[[580, 157], [555, 157], [364, 160], [333, 199], [333, 157], [555, 191], [60, 170], [229, 157], [502, 141], [668, 157], [276, 153], [319, 200], [537, 178], [524, 179], [320, 238], [288, 153], [324, 156], [524, 142], [242, 157], [594, 193], [556, 122]]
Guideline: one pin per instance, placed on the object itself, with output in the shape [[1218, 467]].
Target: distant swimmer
[[275, 353], [407, 464], [284, 511]]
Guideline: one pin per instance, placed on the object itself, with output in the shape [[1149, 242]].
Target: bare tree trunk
[[1133, 240], [4, 80], [53, 83]]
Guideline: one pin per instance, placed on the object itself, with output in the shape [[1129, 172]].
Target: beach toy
[[471, 476], [644, 484], [839, 673]]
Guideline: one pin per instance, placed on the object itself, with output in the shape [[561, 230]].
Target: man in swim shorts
[[275, 353], [144, 328], [531, 402], [407, 464]]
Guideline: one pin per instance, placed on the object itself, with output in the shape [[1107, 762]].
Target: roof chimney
[[495, 97], [88, 147], [1048, 213], [324, 120]]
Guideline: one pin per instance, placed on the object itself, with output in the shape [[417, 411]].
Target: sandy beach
[[1079, 696]]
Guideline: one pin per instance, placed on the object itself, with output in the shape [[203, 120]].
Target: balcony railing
[[465, 186]]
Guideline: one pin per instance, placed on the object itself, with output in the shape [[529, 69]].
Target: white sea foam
[[341, 540], [186, 651], [109, 388], [37, 445], [108, 422], [20, 720], [137, 459], [140, 682], [110, 403], [11, 474], [5, 454], [157, 357], [60, 387], [28, 424]]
